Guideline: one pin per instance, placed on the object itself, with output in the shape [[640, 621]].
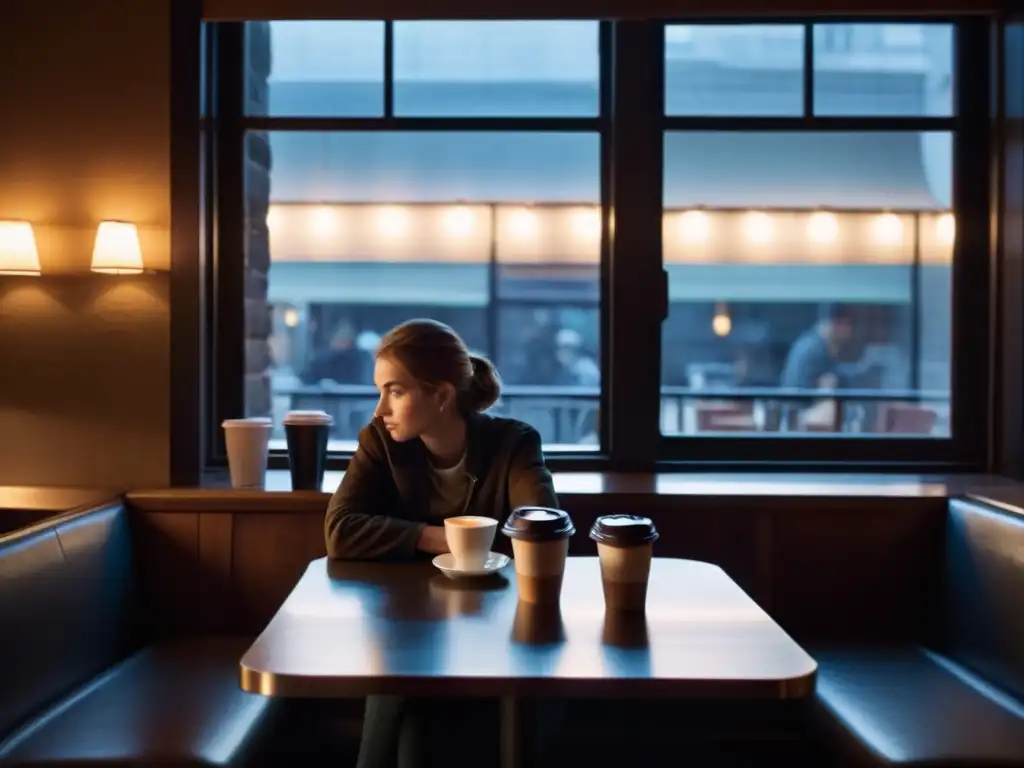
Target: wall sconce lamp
[[18, 252], [117, 250]]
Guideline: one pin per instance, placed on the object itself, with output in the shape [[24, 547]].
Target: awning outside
[[302, 283]]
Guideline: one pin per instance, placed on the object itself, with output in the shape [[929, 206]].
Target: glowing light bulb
[[758, 227], [721, 324], [523, 224], [291, 317], [823, 227], [393, 221], [459, 222], [945, 228], [889, 229], [324, 220], [694, 227], [587, 224]]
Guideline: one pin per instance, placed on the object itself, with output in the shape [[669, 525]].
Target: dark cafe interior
[[432, 383]]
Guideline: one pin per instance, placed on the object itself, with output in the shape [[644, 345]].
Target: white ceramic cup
[[470, 538], [247, 442]]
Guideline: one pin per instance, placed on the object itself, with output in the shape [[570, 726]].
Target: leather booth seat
[[960, 705], [78, 686]]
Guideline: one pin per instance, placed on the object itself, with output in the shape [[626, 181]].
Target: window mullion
[[634, 235], [389, 69]]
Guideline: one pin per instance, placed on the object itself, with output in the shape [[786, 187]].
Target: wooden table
[[353, 629]]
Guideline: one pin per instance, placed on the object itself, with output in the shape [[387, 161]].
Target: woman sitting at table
[[428, 454]]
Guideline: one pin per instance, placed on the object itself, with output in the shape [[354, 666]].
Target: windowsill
[[216, 494]]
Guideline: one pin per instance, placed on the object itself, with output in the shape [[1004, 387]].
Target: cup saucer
[[494, 563]]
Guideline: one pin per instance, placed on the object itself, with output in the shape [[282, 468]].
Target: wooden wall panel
[[167, 562], [857, 570], [218, 597], [824, 568], [269, 554]]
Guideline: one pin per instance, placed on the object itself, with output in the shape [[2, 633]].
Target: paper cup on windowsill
[[247, 442]]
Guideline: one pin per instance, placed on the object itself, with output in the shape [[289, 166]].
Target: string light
[[393, 221], [823, 227], [523, 223], [459, 221], [324, 220], [758, 227], [694, 226], [889, 229], [945, 228], [587, 224]]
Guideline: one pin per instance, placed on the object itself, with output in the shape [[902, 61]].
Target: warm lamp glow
[[586, 223], [823, 227], [323, 220], [117, 250], [694, 226], [392, 221], [459, 222], [758, 227], [523, 224], [273, 218], [18, 253], [889, 229], [721, 324], [946, 229]]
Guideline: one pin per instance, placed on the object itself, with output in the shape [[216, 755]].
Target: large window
[[790, 208], [416, 209], [809, 261]]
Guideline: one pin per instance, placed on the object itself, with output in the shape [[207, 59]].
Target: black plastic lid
[[538, 524], [624, 530]]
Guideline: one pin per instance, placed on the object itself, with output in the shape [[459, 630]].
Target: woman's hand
[[433, 540]]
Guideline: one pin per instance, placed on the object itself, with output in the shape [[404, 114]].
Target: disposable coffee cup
[[540, 544], [625, 545], [470, 538], [306, 433], [247, 441]]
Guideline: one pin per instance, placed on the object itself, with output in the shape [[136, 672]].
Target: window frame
[[631, 265], [227, 136], [965, 448]]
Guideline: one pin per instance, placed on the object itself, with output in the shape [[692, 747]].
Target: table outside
[[353, 629]]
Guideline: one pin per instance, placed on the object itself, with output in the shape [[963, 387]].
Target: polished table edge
[[279, 685], [578, 486], [276, 685]]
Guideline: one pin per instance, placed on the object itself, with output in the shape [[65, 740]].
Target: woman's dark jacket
[[383, 501]]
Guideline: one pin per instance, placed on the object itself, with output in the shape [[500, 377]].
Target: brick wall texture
[[258, 163]]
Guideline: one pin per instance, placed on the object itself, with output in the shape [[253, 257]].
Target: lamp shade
[[18, 253], [117, 250]]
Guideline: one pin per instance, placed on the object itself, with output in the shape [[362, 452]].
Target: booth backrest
[[66, 602], [984, 592]]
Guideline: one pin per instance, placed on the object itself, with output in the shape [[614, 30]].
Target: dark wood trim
[[186, 290], [1008, 226], [610, 488], [237, 10], [227, 367], [972, 342], [812, 562], [638, 292]]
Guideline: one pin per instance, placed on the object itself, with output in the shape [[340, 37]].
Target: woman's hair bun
[[485, 386]]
